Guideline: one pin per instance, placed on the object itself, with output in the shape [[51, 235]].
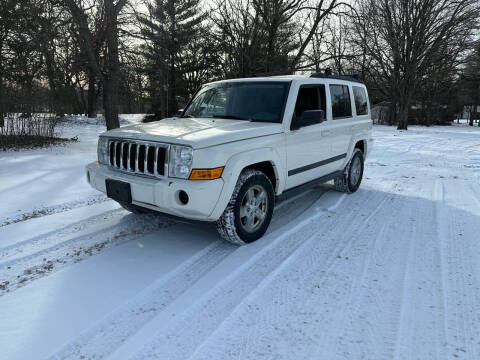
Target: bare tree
[[109, 73], [470, 83], [269, 36], [406, 38], [238, 34], [7, 22], [316, 13]]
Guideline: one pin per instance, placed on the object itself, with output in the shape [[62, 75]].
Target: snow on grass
[[37, 182], [390, 272]]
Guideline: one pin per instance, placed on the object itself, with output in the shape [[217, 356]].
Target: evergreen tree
[[169, 27]]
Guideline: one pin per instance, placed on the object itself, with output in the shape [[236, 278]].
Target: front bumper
[[163, 194]]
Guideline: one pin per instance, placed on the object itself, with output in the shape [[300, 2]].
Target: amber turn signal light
[[206, 174]]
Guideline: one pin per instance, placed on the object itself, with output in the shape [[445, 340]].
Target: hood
[[198, 133]]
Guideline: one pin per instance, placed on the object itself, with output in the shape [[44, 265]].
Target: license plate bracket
[[119, 190]]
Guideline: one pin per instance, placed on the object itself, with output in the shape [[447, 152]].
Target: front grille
[[138, 157]]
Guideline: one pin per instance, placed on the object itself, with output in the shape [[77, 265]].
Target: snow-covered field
[[390, 272]]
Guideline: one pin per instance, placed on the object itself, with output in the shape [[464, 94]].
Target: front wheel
[[351, 178], [250, 209]]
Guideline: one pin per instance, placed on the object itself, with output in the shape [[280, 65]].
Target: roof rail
[[328, 75]]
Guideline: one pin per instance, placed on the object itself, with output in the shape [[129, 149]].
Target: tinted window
[[341, 105], [361, 101], [310, 98], [257, 101]]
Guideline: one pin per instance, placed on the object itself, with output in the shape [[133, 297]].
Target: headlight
[[180, 163], [102, 150]]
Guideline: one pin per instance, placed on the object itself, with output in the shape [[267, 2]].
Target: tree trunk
[[110, 85], [476, 113], [470, 120], [2, 100], [172, 101], [392, 116], [92, 95], [402, 116]]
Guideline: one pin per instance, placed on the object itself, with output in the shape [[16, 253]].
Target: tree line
[[86, 56]]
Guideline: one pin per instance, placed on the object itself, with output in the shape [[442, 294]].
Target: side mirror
[[308, 117]]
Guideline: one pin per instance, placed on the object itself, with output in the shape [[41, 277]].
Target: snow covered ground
[[390, 272]]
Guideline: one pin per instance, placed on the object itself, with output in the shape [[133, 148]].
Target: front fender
[[237, 163]]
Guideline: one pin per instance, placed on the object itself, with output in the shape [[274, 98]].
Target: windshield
[[254, 101]]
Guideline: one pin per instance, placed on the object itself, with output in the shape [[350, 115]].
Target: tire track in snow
[[358, 287], [396, 313], [55, 209], [179, 338], [112, 331], [277, 306], [460, 271], [420, 331], [44, 255], [283, 317], [404, 305], [442, 231], [44, 241]]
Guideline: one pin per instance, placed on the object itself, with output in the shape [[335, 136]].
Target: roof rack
[[328, 75]]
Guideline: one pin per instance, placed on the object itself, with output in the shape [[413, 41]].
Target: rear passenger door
[[342, 121]]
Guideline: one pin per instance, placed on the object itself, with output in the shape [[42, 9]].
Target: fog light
[[183, 197]]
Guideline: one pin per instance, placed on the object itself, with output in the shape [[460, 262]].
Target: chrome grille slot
[[117, 154], [139, 157], [124, 155], [161, 160], [111, 153], [151, 160]]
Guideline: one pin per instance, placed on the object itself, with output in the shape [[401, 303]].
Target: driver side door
[[308, 147]]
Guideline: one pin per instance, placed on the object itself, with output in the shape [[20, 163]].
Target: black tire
[[350, 180], [135, 209], [231, 225]]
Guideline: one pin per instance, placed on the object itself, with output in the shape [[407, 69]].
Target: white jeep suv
[[238, 146]]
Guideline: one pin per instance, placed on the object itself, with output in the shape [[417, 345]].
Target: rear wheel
[[250, 209], [351, 178]]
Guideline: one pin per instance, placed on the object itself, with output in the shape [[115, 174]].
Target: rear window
[[341, 104], [361, 101]]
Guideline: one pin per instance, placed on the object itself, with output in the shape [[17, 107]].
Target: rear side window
[[341, 104], [361, 102]]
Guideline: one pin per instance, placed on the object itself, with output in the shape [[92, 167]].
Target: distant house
[[466, 112], [418, 115], [381, 112]]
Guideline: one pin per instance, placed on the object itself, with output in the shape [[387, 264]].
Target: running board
[[301, 188]]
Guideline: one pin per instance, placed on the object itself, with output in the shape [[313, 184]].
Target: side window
[[310, 97], [341, 104], [361, 101]]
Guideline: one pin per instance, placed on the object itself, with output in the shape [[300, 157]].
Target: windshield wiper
[[188, 116], [233, 117]]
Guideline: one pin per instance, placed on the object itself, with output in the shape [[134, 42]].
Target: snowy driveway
[[390, 272]]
